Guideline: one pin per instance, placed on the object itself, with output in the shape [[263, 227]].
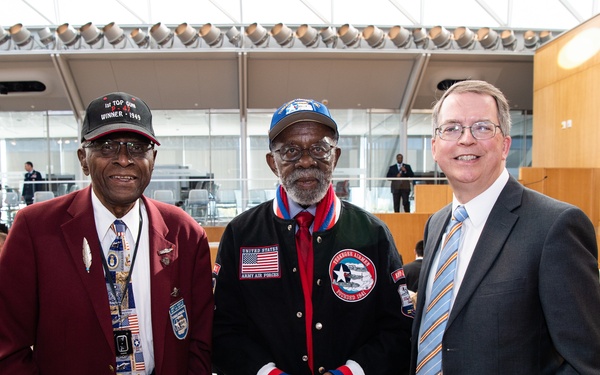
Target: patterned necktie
[[303, 236], [436, 314], [130, 357]]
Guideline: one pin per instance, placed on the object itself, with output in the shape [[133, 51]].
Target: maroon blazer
[[50, 302]]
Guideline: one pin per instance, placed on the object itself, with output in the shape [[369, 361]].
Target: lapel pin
[[165, 261], [164, 251], [87, 255], [175, 292]]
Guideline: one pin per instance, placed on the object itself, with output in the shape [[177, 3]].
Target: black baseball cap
[[117, 112]]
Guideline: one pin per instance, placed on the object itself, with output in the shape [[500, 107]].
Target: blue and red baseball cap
[[299, 110], [117, 112]]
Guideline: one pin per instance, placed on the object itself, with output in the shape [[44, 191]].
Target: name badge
[[179, 319], [123, 343]]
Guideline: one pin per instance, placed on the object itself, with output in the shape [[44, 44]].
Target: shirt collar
[[104, 218], [295, 208], [479, 208]]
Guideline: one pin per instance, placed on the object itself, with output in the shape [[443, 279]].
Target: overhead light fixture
[[47, 37], [374, 36], [487, 37], [187, 35], [328, 36], [234, 36], [162, 35], [399, 36], [258, 35], [509, 41], [349, 35], [211, 34], [308, 35], [92, 35], [530, 39], [140, 38], [283, 35], [440, 37], [464, 37], [21, 36], [68, 35], [114, 34], [545, 36], [4, 36], [420, 37]]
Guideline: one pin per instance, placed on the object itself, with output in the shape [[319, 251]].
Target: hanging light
[[20, 35], [258, 35], [349, 35], [374, 36], [487, 37], [68, 35], [234, 36], [46, 37], [187, 35], [509, 41], [420, 37], [399, 36], [530, 39], [140, 38], [440, 36], [114, 34], [308, 35], [328, 36], [91, 34], [162, 35], [283, 35]]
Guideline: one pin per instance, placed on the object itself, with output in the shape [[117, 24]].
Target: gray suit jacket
[[529, 302]]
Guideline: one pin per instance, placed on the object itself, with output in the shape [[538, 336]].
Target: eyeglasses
[[108, 148], [479, 130], [318, 151]]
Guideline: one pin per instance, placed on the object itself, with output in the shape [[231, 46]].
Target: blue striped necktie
[[435, 316]]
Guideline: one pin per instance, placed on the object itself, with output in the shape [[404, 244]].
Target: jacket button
[[299, 314], [111, 368], [289, 227], [319, 239], [305, 358], [294, 269], [319, 326], [322, 370], [319, 282]]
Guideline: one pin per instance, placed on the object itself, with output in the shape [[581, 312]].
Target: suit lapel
[[83, 225], [495, 233], [163, 254]]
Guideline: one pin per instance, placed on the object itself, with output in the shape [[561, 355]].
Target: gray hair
[[478, 87]]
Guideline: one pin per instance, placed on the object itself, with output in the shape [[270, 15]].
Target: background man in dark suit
[[413, 269], [400, 188], [60, 314], [31, 176], [525, 296]]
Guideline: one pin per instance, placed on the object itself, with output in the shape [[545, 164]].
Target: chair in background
[[12, 206], [73, 188], [256, 197], [342, 189], [62, 189], [40, 196], [225, 204], [198, 204], [165, 196]]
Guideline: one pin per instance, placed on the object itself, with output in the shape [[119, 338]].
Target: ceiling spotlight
[[114, 34], [349, 35], [162, 35], [46, 37], [308, 35], [283, 35], [420, 37], [211, 34], [187, 35], [509, 41], [328, 36], [4, 36], [234, 36], [487, 37], [257, 34], [140, 38], [68, 35], [530, 39], [20, 35], [545, 36], [464, 37], [91, 34], [440, 37], [399, 36], [374, 36]]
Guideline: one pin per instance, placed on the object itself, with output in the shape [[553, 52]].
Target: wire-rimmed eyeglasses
[[480, 130], [108, 148], [293, 153]]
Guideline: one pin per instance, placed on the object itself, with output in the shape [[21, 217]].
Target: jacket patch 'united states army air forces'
[[259, 262], [353, 275]]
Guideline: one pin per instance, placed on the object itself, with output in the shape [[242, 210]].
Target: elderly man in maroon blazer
[[105, 280]]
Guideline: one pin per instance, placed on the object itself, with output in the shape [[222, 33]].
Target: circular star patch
[[352, 274]]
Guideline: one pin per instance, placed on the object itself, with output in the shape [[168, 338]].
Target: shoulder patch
[[353, 275]]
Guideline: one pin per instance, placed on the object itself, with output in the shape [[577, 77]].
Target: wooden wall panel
[[431, 198], [407, 229]]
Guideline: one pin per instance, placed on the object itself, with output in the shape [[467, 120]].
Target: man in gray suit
[[525, 297]]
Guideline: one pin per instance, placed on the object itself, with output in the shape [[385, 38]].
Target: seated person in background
[[413, 269]]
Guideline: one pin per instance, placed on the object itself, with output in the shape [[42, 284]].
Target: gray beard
[[302, 196]]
